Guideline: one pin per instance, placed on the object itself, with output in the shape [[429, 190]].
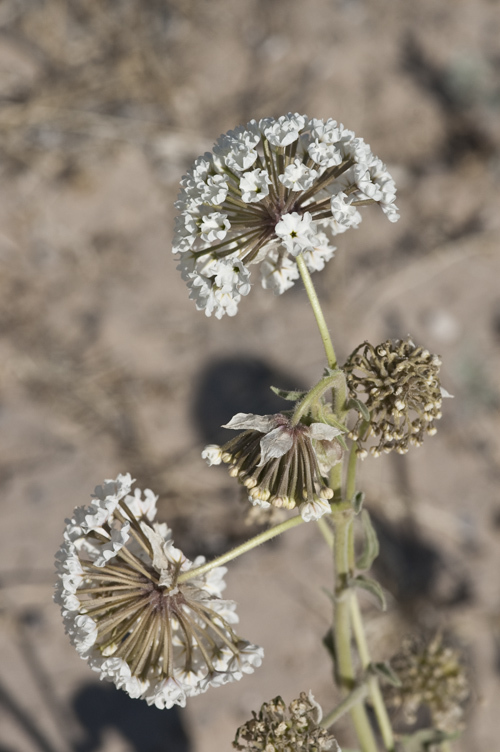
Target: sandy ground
[[106, 366]]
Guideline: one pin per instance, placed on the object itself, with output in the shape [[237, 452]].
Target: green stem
[[344, 553], [335, 381], [350, 488], [352, 699], [242, 549], [342, 629], [318, 313], [373, 684], [336, 481]]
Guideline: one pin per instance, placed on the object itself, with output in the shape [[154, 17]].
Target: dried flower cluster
[[271, 190], [280, 463], [127, 615], [400, 386], [283, 729], [431, 674]]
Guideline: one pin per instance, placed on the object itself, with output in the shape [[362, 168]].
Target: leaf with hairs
[[371, 548], [373, 587], [292, 396]]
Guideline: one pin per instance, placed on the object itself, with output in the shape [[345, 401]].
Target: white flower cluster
[[127, 615], [280, 464], [268, 192]]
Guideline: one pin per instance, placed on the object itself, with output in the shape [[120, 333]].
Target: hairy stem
[[350, 488], [342, 629], [373, 684], [335, 381], [345, 706], [318, 313]]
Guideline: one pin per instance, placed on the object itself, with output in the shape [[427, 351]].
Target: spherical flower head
[[281, 463], [280, 728], [269, 191], [432, 674], [128, 615], [399, 385]]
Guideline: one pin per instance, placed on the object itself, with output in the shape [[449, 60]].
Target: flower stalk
[[318, 312], [248, 545], [356, 696]]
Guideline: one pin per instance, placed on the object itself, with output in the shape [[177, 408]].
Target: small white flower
[[298, 177], [241, 157], [326, 155], [327, 132], [313, 510], [254, 186], [296, 232], [344, 214], [279, 272], [129, 617], [212, 454], [142, 507], [283, 131], [214, 227], [215, 190], [317, 256], [218, 284], [107, 551], [236, 149]]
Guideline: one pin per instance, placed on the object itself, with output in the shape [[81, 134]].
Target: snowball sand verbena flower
[[127, 614], [281, 463], [269, 191]]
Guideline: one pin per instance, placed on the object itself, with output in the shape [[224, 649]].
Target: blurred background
[[106, 366]]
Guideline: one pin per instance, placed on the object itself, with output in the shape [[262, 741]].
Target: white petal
[[313, 510], [161, 561], [276, 443], [446, 394], [318, 710], [262, 423], [212, 454], [323, 431], [259, 503]]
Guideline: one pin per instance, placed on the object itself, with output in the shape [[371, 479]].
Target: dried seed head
[[431, 675], [399, 384], [283, 729]]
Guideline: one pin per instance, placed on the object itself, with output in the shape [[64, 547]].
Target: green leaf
[[357, 501], [372, 586], [326, 415], [292, 396], [341, 441], [329, 594], [371, 548], [356, 404], [385, 670], [425, 739]]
